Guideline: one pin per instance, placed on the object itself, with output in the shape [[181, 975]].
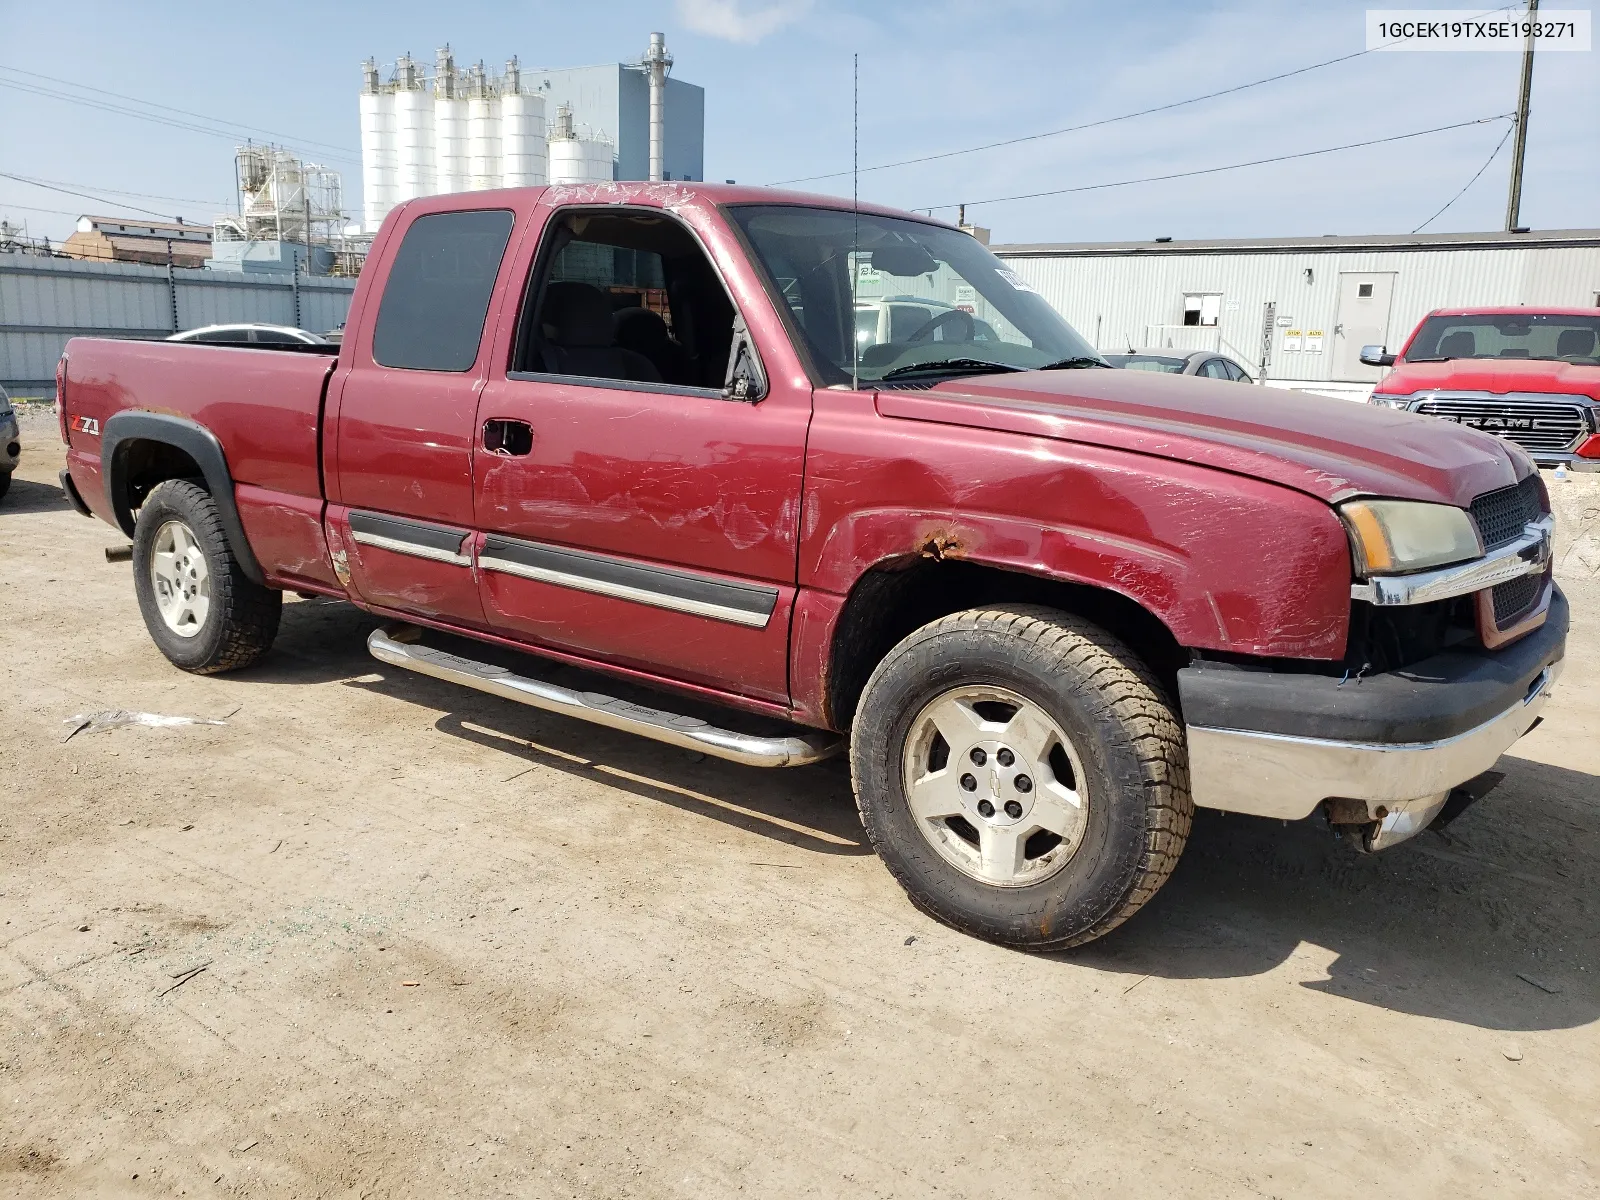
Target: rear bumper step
[[691, 733]]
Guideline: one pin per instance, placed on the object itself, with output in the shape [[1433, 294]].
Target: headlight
[[1383, 401], [1391, 536]]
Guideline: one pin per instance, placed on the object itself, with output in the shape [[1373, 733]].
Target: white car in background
[[245, 333], [10, 442], [899, 318], [1206, 363]]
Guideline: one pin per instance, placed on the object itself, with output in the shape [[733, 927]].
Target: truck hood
[[1492, 375], [1330, 449]]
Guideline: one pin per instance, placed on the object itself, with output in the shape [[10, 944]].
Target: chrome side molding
[[691, 733], [738, 603], [402, 535], [1525, 556]]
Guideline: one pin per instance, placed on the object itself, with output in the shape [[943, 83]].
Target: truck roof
[[689, 191]]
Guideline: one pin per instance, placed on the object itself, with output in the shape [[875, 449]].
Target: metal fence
[[46, 301]]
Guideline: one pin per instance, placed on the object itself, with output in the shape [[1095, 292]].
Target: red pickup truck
[[1048, 607], [1529, 375]]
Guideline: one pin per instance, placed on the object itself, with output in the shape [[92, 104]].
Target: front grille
[[1501, 516], [1515, 598], [1534, 425]]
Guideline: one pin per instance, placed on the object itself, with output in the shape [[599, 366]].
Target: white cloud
[[735, 21]]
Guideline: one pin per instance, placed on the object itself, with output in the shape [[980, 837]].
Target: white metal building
[[1328, 296]]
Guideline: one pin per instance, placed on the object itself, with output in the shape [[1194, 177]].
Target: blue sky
[[936, 75]]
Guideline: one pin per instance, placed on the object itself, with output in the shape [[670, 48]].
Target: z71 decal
[[88, 425]]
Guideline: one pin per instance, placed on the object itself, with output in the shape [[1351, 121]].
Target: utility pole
[[172, 288], [1514, 200]]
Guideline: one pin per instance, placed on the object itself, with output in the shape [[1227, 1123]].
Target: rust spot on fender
[[941, 546]]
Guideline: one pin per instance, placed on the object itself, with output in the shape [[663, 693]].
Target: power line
[[1500, 145], [1034, 137], [120, 110], [1259, 162], [121, 192], [60, 212], [165, 108], [85, 195], [1143, 112]]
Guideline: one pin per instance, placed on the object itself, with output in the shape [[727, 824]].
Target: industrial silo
[[449, 126], [413, 132], [483, 130], [379, 154], [524, 159], [577, 157]]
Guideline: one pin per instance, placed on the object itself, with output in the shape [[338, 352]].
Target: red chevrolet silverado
[[1046, 606], [1529, 375]]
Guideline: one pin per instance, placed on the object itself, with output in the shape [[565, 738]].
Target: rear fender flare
[[124, 430]]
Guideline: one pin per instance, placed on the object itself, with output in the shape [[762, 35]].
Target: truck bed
[[262, 406]]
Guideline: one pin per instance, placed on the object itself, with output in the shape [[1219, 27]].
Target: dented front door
[[653, 529]]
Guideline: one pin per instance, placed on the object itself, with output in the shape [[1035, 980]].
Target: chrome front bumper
[[1274, 775]]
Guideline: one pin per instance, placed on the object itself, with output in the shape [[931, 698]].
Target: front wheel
[[201, 609], [1022, 774]]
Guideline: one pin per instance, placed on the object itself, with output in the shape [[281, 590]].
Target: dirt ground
[[457, 948]]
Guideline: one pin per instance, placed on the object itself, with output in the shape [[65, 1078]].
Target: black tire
[[5, 482], [1124, 732], [242, 620]]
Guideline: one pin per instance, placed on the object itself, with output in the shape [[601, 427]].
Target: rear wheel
[[5, 482], [201, 609], [1022, 774]]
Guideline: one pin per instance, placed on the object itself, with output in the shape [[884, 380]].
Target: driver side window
[[629, 296]]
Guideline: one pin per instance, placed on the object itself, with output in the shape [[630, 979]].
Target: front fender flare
[[125, 429]]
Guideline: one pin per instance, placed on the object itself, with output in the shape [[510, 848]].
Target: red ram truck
[[1529, 375], [1046, 607]]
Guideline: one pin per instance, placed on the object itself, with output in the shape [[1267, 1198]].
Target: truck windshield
[[1546, 336], [871, 296]]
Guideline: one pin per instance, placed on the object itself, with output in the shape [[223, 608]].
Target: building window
[[1202, 308], [1364, 291]]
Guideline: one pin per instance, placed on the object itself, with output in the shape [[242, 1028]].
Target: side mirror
[[745, 381], [1376, 356]]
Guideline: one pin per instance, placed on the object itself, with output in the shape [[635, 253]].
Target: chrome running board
[[691, 733]]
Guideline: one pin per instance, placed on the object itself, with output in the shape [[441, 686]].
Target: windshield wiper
[[967, 366], [1072, 364]]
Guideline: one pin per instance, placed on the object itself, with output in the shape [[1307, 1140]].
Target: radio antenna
[[855, 218]]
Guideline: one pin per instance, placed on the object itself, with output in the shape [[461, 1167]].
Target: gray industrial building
[[45, 301], [1328, 296], [614, 100]]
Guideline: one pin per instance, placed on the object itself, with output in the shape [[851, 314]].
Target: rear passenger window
[[437, 295]]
